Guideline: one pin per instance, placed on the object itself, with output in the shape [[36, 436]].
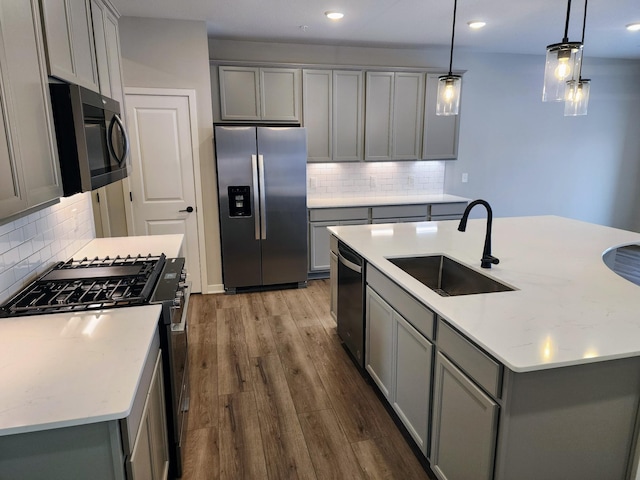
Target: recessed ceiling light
[[633, 27], [334, 15], [475, 24]]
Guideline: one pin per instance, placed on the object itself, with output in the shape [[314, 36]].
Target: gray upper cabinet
[[332, 106], [255, 94], [394, 109], [69, 41], [440, 132], [29, 171], [107, 43], [379, 115]]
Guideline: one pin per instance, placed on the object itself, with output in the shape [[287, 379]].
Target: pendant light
[[563, 59], [448, 102], [577, 92]]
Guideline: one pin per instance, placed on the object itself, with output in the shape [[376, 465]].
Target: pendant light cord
[[453, 33], [566, 24], [584, 25]]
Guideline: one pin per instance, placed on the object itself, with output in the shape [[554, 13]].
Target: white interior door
[[162, 178]]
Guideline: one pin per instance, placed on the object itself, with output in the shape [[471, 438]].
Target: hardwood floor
[[275, 396]]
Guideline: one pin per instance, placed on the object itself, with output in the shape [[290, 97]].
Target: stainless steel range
[[101, 283]]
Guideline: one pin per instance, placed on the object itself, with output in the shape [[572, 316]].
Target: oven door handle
[[180, 327]]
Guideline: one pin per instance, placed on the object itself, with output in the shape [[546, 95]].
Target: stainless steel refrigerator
[[262, 195]]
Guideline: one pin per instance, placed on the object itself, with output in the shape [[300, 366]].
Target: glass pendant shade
[[563, 63], [448, 102], [577, 97]]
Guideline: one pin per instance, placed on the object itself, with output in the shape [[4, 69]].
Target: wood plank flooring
[[275, 396]]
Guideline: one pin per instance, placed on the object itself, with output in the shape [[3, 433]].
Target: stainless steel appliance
[[92, 141], [89, 284], [351, 302], [263, 205]]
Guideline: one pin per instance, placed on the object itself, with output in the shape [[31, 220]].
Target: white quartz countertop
[[170, 245], [337, 202], [62, 370], [569, 307]]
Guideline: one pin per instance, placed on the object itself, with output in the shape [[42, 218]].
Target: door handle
[[263, 198], [189, 209]]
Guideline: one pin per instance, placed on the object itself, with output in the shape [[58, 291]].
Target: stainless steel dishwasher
[[351, 302]]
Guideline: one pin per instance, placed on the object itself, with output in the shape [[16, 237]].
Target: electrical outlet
[[372, 181], [410, 181], [312, 182], [465, 177]]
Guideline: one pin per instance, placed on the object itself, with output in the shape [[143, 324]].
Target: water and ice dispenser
[[239, 201]]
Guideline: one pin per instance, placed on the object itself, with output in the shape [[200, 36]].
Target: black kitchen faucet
[[487, 258]]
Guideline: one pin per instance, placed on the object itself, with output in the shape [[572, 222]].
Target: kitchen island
[[539, 382]]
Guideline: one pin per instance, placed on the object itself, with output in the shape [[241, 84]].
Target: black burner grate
[[87, 284]]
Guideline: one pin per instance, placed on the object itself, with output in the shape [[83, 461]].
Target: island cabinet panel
[[379, 342], [440, 137], [333, 277], [412, 381], [29, 169], [256, 94], [573, 423], [70, 44], [464, 426]]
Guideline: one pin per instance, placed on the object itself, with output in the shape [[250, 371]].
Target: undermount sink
[[447, 277]]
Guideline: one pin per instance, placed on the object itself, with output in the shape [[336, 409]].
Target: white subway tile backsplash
[[364, 179], [31, 244]]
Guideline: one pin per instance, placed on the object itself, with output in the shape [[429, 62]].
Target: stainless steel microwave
[[92, 142]]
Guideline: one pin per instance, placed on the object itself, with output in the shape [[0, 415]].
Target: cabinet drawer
[[484, 370], [413, 311], [399, 211], [335, 214], [448, 208]]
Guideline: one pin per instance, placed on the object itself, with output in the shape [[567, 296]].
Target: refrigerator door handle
[[256, 198], [263, 206]]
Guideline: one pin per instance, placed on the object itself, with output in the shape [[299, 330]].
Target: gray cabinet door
[[463, 441], [70, 44], [112, 38], [440, 132], [29, 171], [408, 101], [412, 380], [317, 111], [348, 116], [319, 245], [239, 93], [379, 116], [279, 92], [102, 58], [379, 338]]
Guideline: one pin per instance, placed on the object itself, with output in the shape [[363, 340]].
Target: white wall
[[522, 155], [173, 54], [33, 243]]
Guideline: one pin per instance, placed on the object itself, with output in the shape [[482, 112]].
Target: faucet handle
[[487, 260]]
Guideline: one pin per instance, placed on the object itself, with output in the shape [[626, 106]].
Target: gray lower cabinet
[[412, 381], [464, 426], [29, 169], [379, 342], [134, 448], [70, 44], [399, 358]]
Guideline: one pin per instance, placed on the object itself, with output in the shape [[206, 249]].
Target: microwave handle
[[125, 139]]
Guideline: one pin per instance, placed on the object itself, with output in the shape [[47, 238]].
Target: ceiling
[[513, 26]]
